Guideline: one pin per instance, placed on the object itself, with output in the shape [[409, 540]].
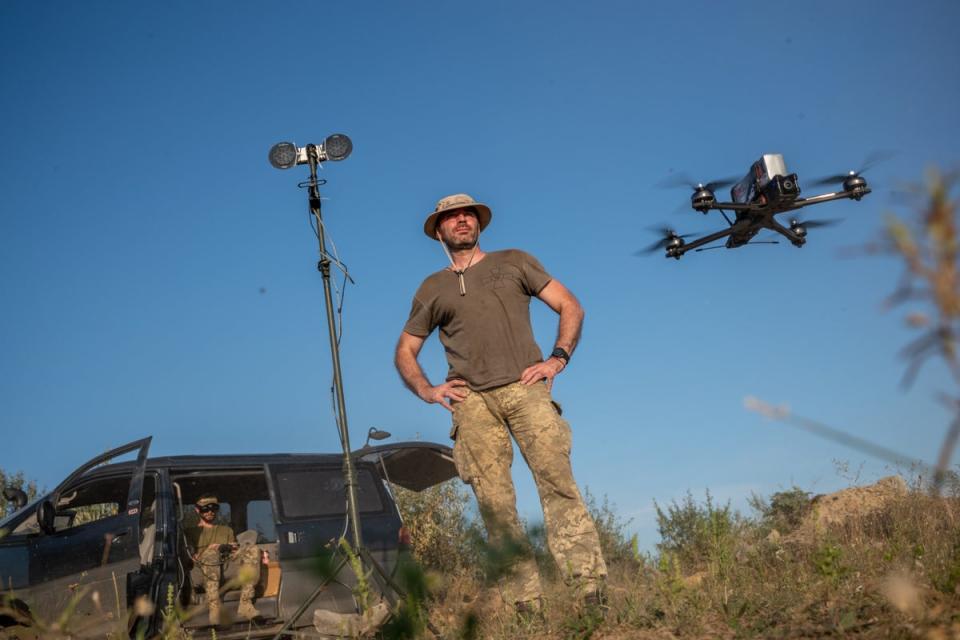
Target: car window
[[309, 492], [27, 526], [91, 501], [260, 519]]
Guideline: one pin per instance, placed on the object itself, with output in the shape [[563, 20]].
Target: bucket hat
[[456, 201]]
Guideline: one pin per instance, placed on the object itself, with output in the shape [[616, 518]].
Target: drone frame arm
[[699, 242], [735, 206], [799, 203], [786, 233]]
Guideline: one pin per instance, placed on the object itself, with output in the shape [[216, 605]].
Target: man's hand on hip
[[442, 394], [545, 370]]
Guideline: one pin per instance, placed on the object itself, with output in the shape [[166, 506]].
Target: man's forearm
[[408, 348], [411, 373], [565, 304], [569, 327]]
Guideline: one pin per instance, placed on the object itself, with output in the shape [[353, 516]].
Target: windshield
[[12, 519]]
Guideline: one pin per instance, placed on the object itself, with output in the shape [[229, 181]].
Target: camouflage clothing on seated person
[[214, 569]]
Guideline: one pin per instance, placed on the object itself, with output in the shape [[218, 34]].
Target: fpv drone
[[766, 191]]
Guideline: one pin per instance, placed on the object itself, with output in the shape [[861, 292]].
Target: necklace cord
[[453, 265]]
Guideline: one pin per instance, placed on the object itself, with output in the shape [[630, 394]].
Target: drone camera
[[781, 188]]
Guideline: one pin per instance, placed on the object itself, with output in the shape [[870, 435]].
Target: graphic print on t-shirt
[[495, 278]]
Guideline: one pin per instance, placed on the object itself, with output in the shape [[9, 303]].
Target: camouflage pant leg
[[244, 566], [483, 454], [544, 439], [209, 565]]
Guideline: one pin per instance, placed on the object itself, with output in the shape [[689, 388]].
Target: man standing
[[498, 386], [205, 541]]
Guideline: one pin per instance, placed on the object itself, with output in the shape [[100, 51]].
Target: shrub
[[828, 561], [784, 511], [698, 535], [617, 547], [443, 534]]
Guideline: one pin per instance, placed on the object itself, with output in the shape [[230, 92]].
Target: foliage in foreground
[[894, 572]]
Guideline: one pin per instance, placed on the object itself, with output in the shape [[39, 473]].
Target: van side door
[[311, 517], [88, 543]]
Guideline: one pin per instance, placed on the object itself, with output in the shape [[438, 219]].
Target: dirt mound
[[840, 508]]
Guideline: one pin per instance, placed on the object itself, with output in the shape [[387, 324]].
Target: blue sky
[[141, 220]]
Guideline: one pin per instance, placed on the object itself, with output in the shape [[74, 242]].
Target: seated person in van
[[205, 542]]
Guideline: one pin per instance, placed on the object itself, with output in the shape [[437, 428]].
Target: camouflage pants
[[246, 559], [483, 454]]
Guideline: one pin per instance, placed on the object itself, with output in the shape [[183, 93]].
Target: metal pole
[[349, 472]]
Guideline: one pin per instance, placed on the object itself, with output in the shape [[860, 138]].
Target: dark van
[[112, 534]]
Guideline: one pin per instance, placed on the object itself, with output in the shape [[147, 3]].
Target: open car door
[[412, 465], [88, 543]]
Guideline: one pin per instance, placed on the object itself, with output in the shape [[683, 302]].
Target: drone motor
[[673, 243], [856, 185], [702, 199]]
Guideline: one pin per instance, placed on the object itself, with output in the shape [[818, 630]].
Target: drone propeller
[[871, 160], [683, 180], [813, 224], [668, 236]]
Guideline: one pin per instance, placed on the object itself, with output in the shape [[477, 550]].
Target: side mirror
[[46, 516], [17, 497]]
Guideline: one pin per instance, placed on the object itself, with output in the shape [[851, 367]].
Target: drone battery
[[771, 165], [761, 172]]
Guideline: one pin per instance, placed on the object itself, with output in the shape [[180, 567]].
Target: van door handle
[[112, 536], [108, 540]]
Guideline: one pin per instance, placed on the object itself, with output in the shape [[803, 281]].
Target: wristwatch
[[560, 352]]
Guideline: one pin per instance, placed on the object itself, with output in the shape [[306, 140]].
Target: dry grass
[[891, 574]]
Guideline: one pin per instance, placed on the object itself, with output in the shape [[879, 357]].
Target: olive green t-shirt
[[486, 333], [202, 537]]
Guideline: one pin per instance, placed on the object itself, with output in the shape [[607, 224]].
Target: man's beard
[[461, 245]]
